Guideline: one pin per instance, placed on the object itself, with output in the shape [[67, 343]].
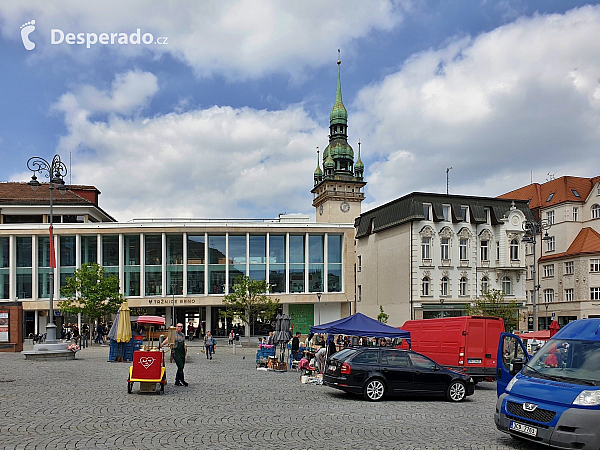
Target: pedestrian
[[332, 348], [178, 350], [209, 345], [190, 331], [271, 338], [231, 337], [296, 346]]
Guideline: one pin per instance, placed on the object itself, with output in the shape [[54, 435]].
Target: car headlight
[[588, 398], [510, 384]]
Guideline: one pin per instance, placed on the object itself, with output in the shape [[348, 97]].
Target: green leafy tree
[[382, 316], [90, 292], [493, 303], [249, 301]]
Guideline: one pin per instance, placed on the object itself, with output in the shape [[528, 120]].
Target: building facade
[[567, 253], [430, 255], [185, 264]]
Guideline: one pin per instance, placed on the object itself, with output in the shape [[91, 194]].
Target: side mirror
[[516, 365], [436, 368]]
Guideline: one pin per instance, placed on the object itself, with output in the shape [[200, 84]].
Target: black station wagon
[[375, 372]]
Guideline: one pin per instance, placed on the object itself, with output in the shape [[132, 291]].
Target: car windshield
[[342, 355], [571, 361]]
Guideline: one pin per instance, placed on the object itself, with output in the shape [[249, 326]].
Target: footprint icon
[[26, 30]]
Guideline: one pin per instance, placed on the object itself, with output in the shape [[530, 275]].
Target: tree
[[494, 304], [90, 292], [249, 301], [382, 316]]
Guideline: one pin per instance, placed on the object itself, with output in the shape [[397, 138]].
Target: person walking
[[179, 350], [296, 346], [231, 337], [209, 345]]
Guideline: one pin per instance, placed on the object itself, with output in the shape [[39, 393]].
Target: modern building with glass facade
[[191, 264]]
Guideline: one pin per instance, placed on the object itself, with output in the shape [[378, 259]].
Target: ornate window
[[506, 286], [484, 246], [462, 248], [444, 286], [426, 286], [485, 285], [426, 248], [462, 286], [445, 248], [514, 250]]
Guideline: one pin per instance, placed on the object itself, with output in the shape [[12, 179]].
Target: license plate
[[331, 368], [525, 429], [474, 361]]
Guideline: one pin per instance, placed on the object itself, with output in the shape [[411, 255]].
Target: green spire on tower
[[338, 114]]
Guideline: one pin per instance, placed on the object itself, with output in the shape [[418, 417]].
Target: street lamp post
[[532, 228], [319, 297], [55, 171], [441, 307]]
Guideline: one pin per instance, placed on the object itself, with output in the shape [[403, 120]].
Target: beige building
[[567, 253], [430, 255]]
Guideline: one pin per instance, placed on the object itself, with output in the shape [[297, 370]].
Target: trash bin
[[237, 336]]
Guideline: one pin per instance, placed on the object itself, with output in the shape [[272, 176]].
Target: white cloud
[[523, 97], [238, 39], [215, 162]]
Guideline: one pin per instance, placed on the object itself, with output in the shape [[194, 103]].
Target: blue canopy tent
[[360, 325]]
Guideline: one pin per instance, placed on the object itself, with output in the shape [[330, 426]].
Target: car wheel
[[456, 391], [374, 390]]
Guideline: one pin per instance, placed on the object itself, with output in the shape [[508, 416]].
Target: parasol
[[123, 331]]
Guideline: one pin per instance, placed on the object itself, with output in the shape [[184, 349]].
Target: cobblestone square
[[228, 405]]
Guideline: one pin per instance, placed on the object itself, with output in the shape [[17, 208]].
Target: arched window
[[426, 285], [514, 250], [596, 211], [485, 285], [506, 286], [444, 286], [463, 286]]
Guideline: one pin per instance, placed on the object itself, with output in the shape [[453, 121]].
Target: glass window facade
[[195, 261], [334, 263], [24, 266], [277, 263], [153, 260], [213, 262], [296, 253], [44, 267], [131, 263], [4, 271], [216, 264], [89, 249], [67, 258]]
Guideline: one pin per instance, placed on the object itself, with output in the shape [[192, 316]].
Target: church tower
[[339, 188]]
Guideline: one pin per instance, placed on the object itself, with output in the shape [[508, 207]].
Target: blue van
[[552, 397]]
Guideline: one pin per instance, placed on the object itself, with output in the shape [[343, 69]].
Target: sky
[[214, 109]]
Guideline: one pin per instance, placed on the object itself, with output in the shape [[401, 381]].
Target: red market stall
[[148, 367]]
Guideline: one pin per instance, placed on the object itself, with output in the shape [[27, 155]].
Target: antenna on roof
[[70, 172], [550, 176], [447, 184]]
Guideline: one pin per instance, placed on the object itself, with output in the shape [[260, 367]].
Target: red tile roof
[[587, 241], [22, 194], [562, 189]]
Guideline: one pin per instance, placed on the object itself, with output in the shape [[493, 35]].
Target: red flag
[[52, 253]]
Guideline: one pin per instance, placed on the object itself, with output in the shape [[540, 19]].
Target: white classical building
[[430, 255]]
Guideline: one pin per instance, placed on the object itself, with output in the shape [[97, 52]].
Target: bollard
[[234, 347]]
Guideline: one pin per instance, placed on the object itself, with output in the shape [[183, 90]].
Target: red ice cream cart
[[148, 367]]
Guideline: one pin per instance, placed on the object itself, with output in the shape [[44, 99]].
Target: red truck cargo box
[[467, 343]]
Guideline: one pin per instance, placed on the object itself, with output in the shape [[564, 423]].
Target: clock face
[[321, 210], [345, 207]]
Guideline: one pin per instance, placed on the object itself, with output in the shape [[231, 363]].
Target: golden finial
[[339, 61]]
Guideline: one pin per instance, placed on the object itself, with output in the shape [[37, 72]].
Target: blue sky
[[223, 121]]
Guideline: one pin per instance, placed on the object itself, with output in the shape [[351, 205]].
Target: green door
[[302, 317]]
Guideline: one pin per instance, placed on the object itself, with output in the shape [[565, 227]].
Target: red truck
[[467, 344]]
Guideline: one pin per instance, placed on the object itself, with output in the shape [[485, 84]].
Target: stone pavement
[[228, 405]]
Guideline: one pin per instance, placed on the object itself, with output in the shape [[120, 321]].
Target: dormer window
[[550, 197], [575, 193]]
